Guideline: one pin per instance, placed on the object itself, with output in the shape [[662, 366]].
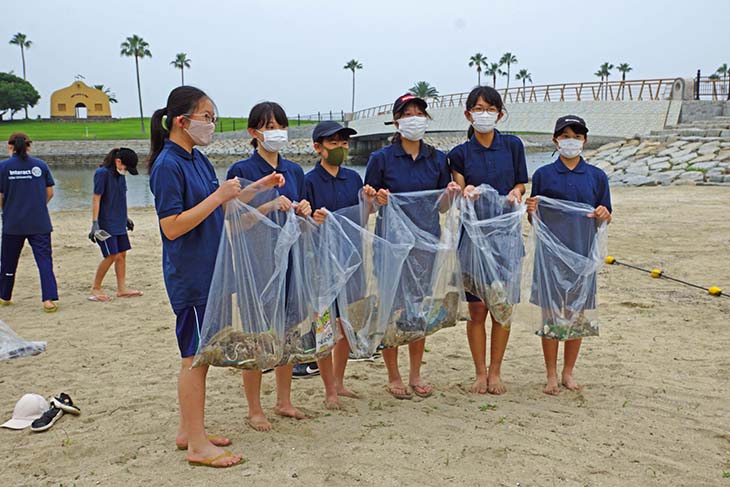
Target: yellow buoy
[[610, 260], [656, 273], [715, 291]]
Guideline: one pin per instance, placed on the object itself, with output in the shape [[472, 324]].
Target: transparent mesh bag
[[12, 346], [568, 249], [429, 291], [491, 250]]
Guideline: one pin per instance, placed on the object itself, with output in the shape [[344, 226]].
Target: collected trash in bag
[[244, 325], [429, 291], [12, 346], [569, 249], [491, 250], [365, 305], [322, 260]]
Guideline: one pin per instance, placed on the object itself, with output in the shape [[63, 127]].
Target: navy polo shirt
[[23, 184], [394, 169], [324, 190], [502, 165], [255, 168], [180, 181], [112, 187]]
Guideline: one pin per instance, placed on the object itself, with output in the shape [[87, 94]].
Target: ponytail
[[182, 101], [20, 143], [470, 132], [110, 159]]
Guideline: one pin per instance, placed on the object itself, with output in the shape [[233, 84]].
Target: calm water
[[75, 186]]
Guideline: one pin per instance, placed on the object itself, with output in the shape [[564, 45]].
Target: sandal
[[50, 309], [419, 390], [63, 401], [212, 439], [404, 396], [210, 462]]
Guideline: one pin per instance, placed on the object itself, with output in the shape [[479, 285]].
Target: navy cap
[[329, 128], [570, 121]]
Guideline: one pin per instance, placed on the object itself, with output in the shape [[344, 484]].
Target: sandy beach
[[655, 409]]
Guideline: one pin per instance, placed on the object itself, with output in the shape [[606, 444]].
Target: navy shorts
[[188, 326], [114, 245]]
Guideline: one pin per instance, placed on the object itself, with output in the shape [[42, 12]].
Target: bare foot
[[182, 441], [99, 296], [570, 383], [259, 422], [333, 404], [345, 392], [552, 388], [495, 385], [213, 456], [129, 293], [480, 385], [290, 412]]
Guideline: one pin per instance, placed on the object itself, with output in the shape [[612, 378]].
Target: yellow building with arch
[[80, 101]]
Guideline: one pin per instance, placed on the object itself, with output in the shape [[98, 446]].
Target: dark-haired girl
[[267, 126], [189, 201], [408, 164], [26, 187], [109, 213], [488, 157]]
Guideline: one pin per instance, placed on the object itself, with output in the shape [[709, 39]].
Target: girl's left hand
[[453, 189], [303, 208], [514, 196], [319, 216], [601, 214]]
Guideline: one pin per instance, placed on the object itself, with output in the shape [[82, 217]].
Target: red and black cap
[[400, 103]]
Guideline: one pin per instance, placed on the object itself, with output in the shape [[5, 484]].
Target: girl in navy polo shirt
[[109, 213], [26, 187], [408, 164], [569, 178], [488, 157], [267, 124]]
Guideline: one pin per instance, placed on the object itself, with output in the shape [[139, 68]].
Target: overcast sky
[[293, 52]]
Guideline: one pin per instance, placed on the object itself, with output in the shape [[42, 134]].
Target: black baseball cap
[[400, 102], [129, 159], [570, 121], [329, 128]]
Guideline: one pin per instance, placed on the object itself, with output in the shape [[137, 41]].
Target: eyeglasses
[[491, 110], [206, 117]]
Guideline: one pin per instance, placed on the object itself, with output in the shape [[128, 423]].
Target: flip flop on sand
[[129, 294], [398, 395], [211, 462], [50, 309], [63, 401], [422, 390], [217, 440], [99, 298], [4, 302]]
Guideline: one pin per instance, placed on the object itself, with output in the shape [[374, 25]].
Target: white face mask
[[122, 172], [570, 148], [274, 140], [484, 122], [201, 132], [413, 128]]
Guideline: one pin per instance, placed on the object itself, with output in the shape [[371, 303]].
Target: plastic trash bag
[[244, 325], [12, 346], [429, 291], [365, 305], [491, 250], [569, 248], [322, 261]]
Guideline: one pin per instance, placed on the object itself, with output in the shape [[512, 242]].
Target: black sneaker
[[302, 371], [48, 419], [63, 401]]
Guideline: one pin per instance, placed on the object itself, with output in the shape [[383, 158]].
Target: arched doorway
[[81, 111]]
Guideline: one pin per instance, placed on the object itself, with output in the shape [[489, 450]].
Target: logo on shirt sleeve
[[36, 171]]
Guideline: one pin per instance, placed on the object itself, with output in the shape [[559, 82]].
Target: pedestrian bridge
[[611, 109]]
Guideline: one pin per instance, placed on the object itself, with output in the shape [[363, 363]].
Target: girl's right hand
[[531, 204], [470, 192], [228, 190], [319, 216], [381, 197], [284, 203], [273, 180]]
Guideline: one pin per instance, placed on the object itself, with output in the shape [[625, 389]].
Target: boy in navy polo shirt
[[26, 187], [332, 187], [109, 213], [569, 178]]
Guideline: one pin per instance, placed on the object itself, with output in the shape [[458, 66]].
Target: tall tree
[[108, 92], [524, 76], [480, 61], [181, 62], [423, 89], [137, 47], [600, 74], [509, 59], [22, 41], [624, 68], [353, 65], [493, 71], [15, 94], [724, 71]]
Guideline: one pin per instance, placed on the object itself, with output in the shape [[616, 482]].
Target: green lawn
[[125, 128]]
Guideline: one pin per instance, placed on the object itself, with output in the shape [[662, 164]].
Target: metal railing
[[336, 115], [707, 88], [629, 90]]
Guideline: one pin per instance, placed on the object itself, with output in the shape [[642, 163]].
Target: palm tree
[[509, 59], [423, 89], [724, 71], [353, 65], [137, 47], [623, 69], [605, 70], [108, 92], [181, 62], [493, 71], [478, 60], [22, 41], [524, 76]]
